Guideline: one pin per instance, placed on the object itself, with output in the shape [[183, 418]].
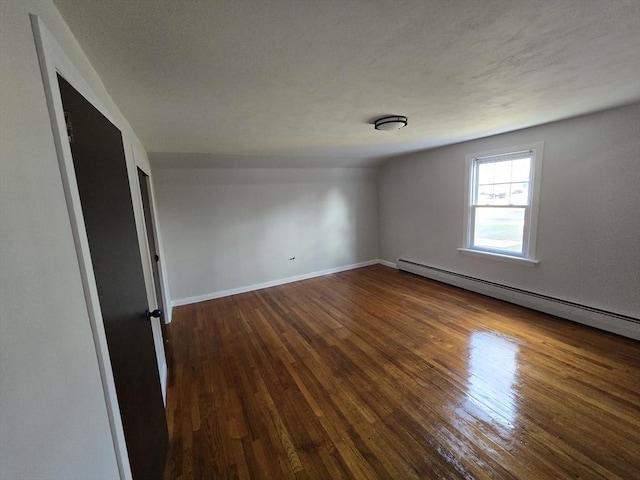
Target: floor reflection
[[493, 368]]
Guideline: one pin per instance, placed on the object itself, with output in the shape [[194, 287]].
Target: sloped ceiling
[[298, 82]]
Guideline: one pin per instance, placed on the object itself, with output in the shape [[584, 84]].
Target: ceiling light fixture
[[391, 122]]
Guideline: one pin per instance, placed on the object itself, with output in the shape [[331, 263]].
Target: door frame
[[142, 163], [53, 60]]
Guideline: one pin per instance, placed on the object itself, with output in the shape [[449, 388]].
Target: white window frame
[[528, 256]]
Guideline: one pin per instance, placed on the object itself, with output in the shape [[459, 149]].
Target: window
[[502, 198]]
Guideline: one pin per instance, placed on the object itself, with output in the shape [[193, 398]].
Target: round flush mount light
[[391, 122]]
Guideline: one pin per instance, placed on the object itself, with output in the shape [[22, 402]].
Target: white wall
[[226, 229], [589, 221], [53, 414]]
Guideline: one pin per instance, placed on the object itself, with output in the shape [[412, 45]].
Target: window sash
[[525, 230], [526, 154]]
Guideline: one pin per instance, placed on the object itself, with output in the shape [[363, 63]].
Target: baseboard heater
[[594, 317]]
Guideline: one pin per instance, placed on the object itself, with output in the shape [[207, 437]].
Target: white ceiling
[[298, 82]]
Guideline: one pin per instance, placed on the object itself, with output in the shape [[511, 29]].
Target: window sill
[[528, 262]]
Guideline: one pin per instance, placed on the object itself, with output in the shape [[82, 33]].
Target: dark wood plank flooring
[[374, 373]]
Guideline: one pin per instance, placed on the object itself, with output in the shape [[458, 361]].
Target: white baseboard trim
[[387, 264], [273, 283], [594, 317]]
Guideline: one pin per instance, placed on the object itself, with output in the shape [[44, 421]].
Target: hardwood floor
[[374, 373]]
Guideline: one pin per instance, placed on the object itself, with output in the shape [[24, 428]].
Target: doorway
[[105, 195], [149, 223]]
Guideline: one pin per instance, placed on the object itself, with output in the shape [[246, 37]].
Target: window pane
[[519, 194], [520, 170], [503, 172], [499, 228], [501, 194], [485, 173], [485, 195]]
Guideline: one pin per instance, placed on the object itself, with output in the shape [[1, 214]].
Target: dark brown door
[[103, 184], [145, 189]]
